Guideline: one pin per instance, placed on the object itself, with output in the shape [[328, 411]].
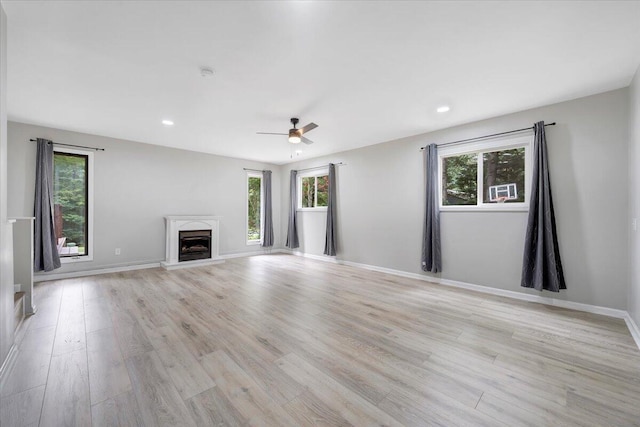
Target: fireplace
[[194, 244], [191, 241]]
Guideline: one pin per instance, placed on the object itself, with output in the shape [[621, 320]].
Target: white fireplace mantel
[[177, 223]]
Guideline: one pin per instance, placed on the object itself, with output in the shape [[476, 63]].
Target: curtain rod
[[489, 136], [71, 145], [319, 167], [256, 170]]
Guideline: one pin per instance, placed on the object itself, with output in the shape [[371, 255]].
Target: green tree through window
[[460, 180], [70, 202], [314, 191], [498, 169], [254, 201], [504, 167]]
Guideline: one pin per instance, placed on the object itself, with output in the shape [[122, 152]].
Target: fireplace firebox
[[194, 244]]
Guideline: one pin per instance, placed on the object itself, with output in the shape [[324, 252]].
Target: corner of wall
[[6, 239], [633, 300]]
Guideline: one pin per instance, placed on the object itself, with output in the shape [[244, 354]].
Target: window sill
[[72, 260], [490, 208], [253, 242], [320, 209]]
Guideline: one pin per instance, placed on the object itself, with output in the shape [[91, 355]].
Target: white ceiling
[[365, 72]]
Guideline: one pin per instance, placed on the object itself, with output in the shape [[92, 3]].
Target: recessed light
[[443, 109], [167, 122]]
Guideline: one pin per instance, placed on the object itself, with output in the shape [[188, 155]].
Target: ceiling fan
[[295, 135]]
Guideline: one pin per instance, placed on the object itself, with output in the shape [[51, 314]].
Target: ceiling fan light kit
[[295, 135], [294, 138]]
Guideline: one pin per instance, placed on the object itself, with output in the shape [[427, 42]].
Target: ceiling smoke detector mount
[[206, 72]]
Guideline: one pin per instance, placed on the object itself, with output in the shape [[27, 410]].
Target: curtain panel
[[46, 257], [267, 239], [431, 253], [292, 229], [541, 265], [330, 239]]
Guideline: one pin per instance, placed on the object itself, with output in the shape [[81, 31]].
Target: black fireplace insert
[[194, 244]]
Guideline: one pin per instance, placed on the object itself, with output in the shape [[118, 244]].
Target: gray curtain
[[292, 229], [431, 254], [267, 238], [46, 255], [541, 265], [330, 239]]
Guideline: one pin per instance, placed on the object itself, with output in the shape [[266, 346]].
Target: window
[[313, 190], [486, 176], [254, 208], [72, 198]]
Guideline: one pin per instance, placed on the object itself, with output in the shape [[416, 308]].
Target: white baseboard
[[190, 264], [250, 253], [7, 364], [589, 308], [324, 258], [633, 328], [117, 269], [72, 274]]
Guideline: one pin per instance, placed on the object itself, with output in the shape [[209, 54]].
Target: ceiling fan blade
[[309, 127], [306, 140], [271, 133]]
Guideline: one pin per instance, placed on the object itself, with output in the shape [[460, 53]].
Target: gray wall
[[380, 205], [634, 198], [135, 186], [6, 242]]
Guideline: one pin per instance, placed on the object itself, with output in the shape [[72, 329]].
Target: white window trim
[[483, 147], [90, 246], [251, 174], [308, 174]]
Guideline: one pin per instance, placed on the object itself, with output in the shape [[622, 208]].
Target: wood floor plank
[[159, 402], [22, 409], [38, 340], [131, 337], [307, 410], [432, 408], [108, 376], [352, 407], [253, 403], [48, 312], [98, 315], [212, 408], [70, 331], [30, 371], [254, 354], [604, 410], [66, 398], [118, 411], [185, 371]]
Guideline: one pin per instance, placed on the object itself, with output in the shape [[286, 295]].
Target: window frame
[[315, 174], [479, 148], [251, 174], [89, 203]]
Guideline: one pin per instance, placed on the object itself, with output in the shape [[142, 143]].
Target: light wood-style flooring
[[279, 340]]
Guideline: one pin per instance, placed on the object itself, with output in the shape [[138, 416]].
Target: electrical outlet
[[634, 224], [117, 251]]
